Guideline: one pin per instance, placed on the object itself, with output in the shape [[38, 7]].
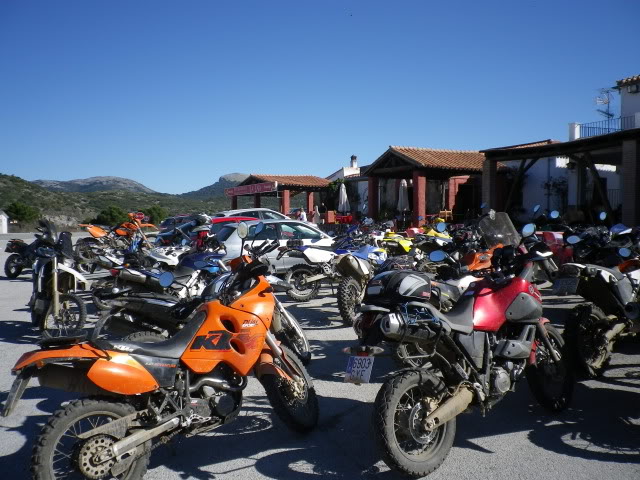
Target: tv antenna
[[605, 98]]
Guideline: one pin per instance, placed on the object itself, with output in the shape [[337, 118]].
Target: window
[[268, 233], [272, 215], [216, 227], [252, 214], [299, 232], [225, 232]]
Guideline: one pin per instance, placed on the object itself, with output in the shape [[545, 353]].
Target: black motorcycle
[[22, 256]]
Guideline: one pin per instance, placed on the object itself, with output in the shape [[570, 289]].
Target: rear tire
[[145, 337], [349, 292], [13, 266], [397, 412], [57, 438], [551, 384], [587, 349], [299, 413], [299, 292]]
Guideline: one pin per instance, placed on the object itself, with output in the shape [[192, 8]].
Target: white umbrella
[[343, 201], [403, 197]]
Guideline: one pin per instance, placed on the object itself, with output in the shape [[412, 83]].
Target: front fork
[[542, 333], [54, 286]]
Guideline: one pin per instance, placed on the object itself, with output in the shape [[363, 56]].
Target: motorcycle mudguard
[[80, 279], [17, 389], [265, 366]]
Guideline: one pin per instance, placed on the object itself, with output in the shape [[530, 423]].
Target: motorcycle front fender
[[79, 279]]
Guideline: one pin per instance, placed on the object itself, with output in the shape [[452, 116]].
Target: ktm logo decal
[[215, 340]]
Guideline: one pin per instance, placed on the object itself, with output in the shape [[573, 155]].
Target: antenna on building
[[605, 98]]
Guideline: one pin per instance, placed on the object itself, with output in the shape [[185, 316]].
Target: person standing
[[302, 215], [317, 219]]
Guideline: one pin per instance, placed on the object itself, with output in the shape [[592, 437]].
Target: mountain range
[[75, 201]]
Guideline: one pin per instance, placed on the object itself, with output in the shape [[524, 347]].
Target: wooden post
[[372, 203], [596, 180], [630, 181], [419, 197], [285, 204], [257, 200], [517, 183], [234, 202], [309, 205], [489, 183]]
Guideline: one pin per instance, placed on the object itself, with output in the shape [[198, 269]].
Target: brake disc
[[89, 452]]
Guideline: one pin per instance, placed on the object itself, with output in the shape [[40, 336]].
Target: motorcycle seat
[[373, 308], [617, 274], [172, 348], [460, 317]]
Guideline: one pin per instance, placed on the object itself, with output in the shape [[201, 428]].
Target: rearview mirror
[[259, 229], [602, 216], [243, 230], [441, 227], [437, 256], [554, 214], [536, 208], [573, 239], [483, 205], [165, 279], [528, 230], [624, 252]]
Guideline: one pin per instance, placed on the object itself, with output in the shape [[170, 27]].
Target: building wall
[[629, 103]]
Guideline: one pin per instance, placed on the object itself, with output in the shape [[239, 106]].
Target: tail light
[[114, 272]]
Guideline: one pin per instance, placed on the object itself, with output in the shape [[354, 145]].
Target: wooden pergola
[[282, 186], [419, 165], [620, 148]]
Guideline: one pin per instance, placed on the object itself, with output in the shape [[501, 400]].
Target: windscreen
[[225, 232], [499, 230]]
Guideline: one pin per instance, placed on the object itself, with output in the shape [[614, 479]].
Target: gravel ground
[[599, 437]]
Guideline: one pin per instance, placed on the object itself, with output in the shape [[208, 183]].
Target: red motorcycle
[[472, 356]]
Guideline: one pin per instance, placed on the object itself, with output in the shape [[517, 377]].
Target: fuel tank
[[518, 301]]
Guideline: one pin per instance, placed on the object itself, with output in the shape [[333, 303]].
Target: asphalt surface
[[597, 438]]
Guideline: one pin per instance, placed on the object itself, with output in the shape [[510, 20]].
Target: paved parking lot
[[598, 438]]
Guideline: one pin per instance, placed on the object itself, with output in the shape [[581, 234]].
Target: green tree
[[22, 212], [156, 213], [111, 215]]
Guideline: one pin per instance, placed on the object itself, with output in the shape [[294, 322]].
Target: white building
[[4, 222]]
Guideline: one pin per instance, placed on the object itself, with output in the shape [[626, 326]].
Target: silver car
[[283, 230]]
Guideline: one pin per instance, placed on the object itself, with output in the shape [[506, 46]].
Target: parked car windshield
[[225, 232], [268, 233], [299, 231]]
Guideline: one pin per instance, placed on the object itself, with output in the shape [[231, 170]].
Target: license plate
[[359, 370], [565, 286]]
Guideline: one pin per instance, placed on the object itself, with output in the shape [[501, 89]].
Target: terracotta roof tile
[[466, 160], [628, 81], [291, 180]]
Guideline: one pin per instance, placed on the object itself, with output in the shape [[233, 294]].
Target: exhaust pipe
[[454, 406], [614, 331], [217, 383]]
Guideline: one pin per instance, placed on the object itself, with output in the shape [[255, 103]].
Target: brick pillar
[[489, 184], [285, 204], [372, 205], [257, 198], [309, 205], [419, 197], [630, 182], [234, 202]]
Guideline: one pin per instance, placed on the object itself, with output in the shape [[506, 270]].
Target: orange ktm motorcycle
[[143, 393]]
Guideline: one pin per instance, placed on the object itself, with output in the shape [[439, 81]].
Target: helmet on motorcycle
[[202, 219], [398, 286]]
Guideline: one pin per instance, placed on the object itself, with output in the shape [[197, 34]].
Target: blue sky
[[174, 94]]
